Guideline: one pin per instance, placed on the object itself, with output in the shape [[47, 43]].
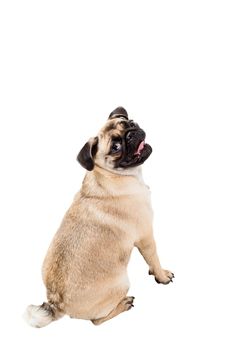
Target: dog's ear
[[87, 154], [118, 112]]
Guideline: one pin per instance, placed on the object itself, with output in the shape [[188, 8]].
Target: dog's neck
[[135, 172], [113, 183]]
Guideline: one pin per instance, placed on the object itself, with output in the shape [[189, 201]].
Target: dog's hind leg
[[124, 305]]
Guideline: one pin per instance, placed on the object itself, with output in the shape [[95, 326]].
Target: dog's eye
[[116, 146]]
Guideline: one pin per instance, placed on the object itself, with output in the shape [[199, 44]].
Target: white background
[[65, 65]]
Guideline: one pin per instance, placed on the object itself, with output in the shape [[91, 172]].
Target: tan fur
[[85, 270]]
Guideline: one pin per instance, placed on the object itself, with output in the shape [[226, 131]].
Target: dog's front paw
[[164, 277]]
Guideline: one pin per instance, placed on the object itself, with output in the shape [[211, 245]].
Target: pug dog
[[85, 269]]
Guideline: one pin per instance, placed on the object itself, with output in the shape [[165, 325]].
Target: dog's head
[[120, 145]]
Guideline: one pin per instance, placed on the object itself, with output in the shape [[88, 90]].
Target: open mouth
[[140, 148], [136, 150]]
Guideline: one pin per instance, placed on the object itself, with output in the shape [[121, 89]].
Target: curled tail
[[42, 315]]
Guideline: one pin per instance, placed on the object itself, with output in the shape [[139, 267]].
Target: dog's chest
[[137, 210]]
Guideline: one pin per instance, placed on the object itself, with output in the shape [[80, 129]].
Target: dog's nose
[[135, 134], [132, 124], [130, 135]]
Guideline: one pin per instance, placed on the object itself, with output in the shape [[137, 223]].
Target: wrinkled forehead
[[114, 126]]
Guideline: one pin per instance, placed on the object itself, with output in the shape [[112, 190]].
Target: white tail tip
[[37, 316]]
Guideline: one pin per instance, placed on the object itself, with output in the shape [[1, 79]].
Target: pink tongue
[[140, 148]]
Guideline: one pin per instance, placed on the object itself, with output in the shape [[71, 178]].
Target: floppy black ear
[[87, 153], [118, 112]]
